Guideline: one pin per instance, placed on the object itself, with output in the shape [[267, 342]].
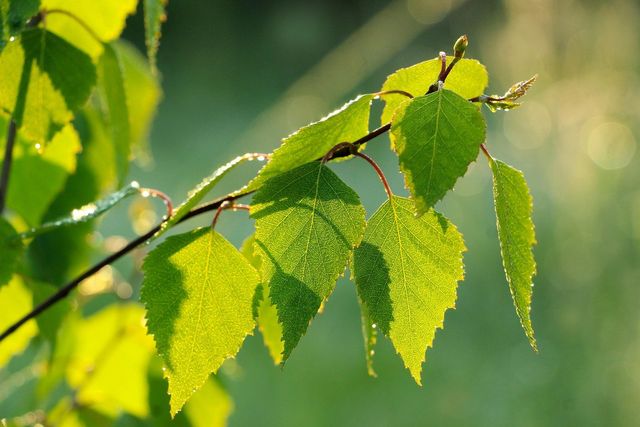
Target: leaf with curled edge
[[407, 271], [516, 233]]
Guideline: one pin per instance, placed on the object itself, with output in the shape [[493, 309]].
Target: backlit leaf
[[407, 271], [105, 18], [517, 236], [38, 174], [112, 90], [307, 223], [436, 136], [15, 302], [44, 81], [111, 349], [198, 291], [312, 142], [143, 95], [468, 78], [266, 311]]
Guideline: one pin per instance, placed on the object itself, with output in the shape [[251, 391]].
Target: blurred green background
[[239, 75]]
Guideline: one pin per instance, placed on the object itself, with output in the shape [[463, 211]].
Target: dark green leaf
[[11, 249]]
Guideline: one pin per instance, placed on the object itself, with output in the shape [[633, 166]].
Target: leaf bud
[[460, 46]]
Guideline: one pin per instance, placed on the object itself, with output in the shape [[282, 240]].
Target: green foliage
[[15, 300], [517, 237], [468, 79], [87, 212], [38, 175], [436, 136], [84, 102], [307, 223], [407, 271], [313, 141], [198, 291], [112, 91], [45, 80], [87, 25], [154, 15], [11, 249], [201, 190]]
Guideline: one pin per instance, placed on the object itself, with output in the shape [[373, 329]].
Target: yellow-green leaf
[[15, 302], [44, 81], [312, 142], [407, 271], [468, 78], [198, 291]]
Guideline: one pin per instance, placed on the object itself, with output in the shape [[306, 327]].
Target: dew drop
[[12, 38], [145, 193], [135, 184], [373, 326]]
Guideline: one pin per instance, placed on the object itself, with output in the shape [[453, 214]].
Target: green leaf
[[143, 95], [436, 136], [201, 190], [105, 18], [210, 406], [112, 90], [468, 78], [307, 223], [85, 213], [14, 15], [407, 271], [11, 249], [312, 142], [266, 312], [38, 175], [154, 15], [198, 291], [44, 80], [514, 204], [111, 348], [15, 302], [61, 254]]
